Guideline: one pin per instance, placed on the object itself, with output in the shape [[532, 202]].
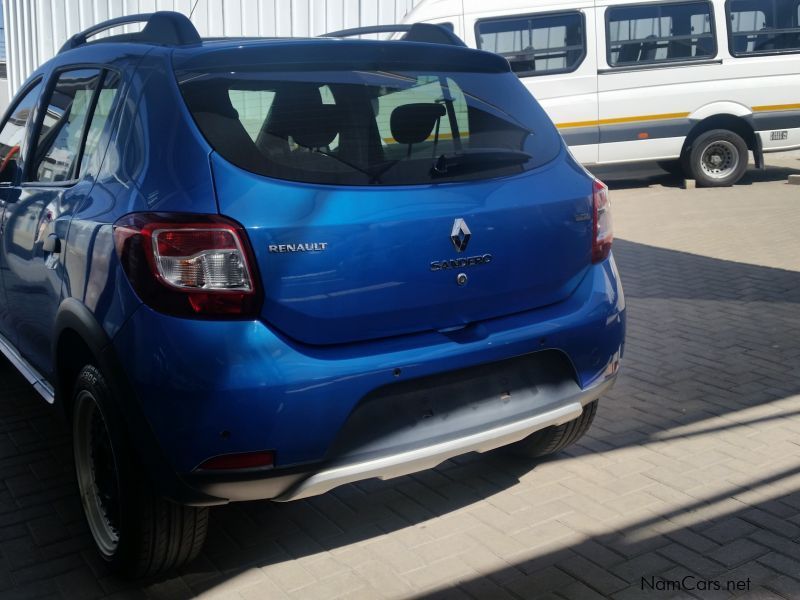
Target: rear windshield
[[371, 127]]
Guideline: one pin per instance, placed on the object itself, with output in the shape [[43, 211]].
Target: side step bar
[[39, 383]]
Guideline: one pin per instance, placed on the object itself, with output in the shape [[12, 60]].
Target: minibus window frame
[[670, 61], [548, 14], [734, 54]]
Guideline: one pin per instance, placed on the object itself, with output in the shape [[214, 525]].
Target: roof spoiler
[[418, 32], [163, 27]]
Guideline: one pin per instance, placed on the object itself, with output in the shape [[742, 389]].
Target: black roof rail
[[417, 32], [163, 27]]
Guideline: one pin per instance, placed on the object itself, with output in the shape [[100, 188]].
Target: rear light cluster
[[188, 265], [264, 459], [603, 230]]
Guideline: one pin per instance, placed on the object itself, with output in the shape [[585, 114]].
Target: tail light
[[188, 265], [264, 459], [603, 229]]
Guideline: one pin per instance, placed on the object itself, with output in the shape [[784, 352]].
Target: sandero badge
[[460, 237]]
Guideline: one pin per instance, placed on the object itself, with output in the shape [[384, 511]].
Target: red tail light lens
[[603, 230], [188, 265], [246, 460]]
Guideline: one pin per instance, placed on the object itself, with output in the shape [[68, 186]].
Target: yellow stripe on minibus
[[620, 120], [442, 136], [664, 117], [776, 107]]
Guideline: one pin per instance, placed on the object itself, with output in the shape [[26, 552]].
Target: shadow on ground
[[642, 175], [726, 545], [706, 338]]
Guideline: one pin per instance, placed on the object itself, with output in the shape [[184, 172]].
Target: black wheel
[[136, 532], [554, 439], [717, 158]]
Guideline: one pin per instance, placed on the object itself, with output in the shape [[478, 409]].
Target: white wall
[[36, 29]]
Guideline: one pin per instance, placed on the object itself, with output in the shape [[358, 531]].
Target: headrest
[[210, 98], [298, 111], [413, 123], [319, 128]]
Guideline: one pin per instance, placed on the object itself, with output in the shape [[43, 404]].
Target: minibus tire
[[717, 158], [136, 532], [554, 439]]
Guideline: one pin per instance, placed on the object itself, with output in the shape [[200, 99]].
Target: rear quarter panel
[[155, 161]]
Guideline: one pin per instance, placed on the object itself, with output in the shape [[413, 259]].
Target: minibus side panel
[[569, 97], [646, 112]]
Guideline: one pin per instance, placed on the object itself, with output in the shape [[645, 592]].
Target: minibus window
[[536, 45], [655, 33], [763, 26]]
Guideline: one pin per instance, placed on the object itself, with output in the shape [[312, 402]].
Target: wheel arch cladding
[[78, 340], [742, 126]]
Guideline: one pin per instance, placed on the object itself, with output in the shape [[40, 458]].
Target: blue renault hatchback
[[264, 268]]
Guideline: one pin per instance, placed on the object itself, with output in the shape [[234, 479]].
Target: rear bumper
[[211, 388], [318, 479]]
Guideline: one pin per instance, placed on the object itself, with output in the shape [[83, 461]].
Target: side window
[[58, 149], [655, 33], [763, 26], [536, 45], [13, 132], [103, 105]]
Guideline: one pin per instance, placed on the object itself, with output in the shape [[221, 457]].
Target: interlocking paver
[[737, 552], [692, 468]]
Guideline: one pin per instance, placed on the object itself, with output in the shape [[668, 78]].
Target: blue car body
[[371, 304]]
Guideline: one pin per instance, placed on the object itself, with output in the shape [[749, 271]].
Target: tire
[[136, 532], [554, 439], [717, 158]]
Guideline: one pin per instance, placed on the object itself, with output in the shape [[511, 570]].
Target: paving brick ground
[[691, 472]]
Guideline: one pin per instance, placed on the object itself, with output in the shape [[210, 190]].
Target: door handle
[[52, 244]]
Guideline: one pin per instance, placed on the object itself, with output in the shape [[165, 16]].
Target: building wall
[[36, 29], [4, 98]]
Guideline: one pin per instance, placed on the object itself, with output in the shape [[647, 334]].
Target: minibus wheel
[[717, 158], [136, 532]]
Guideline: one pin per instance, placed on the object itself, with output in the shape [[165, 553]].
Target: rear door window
[[536, 44], [763, 26], [63, 124], [104, 103], [70, 136], [659, 33]]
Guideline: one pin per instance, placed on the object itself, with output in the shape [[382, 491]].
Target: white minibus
[[693, 84]]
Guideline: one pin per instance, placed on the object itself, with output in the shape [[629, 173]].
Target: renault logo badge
[[460, 235]]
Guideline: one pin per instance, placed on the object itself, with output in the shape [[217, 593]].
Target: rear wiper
[[339, 159], [448, 163]]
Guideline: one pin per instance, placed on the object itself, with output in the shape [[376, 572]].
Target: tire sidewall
[[92, 380], [699, 146]]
